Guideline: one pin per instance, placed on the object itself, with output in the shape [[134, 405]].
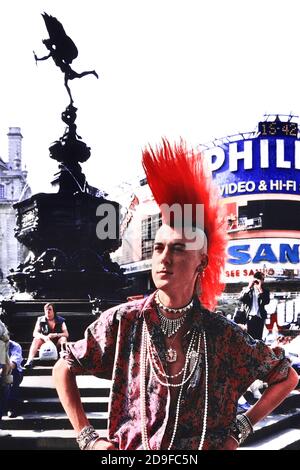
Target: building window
[[260, 214], [1, 191], [150, 225]]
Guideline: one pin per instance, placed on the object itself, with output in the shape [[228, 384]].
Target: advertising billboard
[[277, 258], [258, 175], [264, 164]]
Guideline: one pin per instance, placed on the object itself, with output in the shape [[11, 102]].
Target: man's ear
[[203, 263]]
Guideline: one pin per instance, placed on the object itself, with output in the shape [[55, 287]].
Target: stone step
[[271, 425], [292, 401], [63, 439], [41, 368], [73, 314], [50, 405], [32, 392], [43, 431], [44, 421], [281, 440], [42, 386]]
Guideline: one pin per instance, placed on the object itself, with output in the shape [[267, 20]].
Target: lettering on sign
[[240, 254]]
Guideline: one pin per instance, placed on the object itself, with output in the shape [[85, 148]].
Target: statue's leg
[[90, 72], [68, 90]]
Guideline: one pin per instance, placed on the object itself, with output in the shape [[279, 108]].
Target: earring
[[198, 284]]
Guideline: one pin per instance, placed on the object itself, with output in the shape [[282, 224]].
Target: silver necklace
[[170, 326], [170, 309]]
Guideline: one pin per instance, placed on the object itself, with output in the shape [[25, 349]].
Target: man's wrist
[[241, 428], [87, 438], [234, 438]]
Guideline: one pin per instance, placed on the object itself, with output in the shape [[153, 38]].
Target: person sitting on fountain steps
[[49, 327]]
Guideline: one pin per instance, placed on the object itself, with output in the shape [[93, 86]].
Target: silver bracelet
[[244, 426], [86, 436], [243, 418], [241, 428]]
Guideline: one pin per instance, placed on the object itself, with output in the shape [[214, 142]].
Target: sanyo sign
[[269, 255], [258, 165], [265, 251]]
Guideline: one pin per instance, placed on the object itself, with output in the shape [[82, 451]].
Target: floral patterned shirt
[[112, 350]]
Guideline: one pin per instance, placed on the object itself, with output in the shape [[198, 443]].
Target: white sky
[[199, 69]]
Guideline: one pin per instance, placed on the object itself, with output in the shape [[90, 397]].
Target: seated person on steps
[[49, 327], [16, 359]]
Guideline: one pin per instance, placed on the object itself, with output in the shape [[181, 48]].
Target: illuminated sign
[[239, 254], [278, 128], [276, 257], [261, 165]]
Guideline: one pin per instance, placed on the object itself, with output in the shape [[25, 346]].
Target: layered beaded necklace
[[170, 326], [192, 358], [147, 354]]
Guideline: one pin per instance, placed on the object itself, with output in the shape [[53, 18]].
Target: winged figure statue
[[62, 50]]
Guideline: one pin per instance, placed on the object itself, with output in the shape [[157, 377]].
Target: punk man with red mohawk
[[177, 368]]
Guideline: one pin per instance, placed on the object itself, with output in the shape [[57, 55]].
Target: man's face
[[49, 312], [258, 281], [174, 265]]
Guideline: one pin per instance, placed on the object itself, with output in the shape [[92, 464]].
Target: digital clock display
[[278, 128]]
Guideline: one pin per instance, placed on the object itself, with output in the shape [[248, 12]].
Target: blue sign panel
[[260, 165]]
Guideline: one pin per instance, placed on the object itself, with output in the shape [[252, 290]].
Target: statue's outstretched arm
[[41, 58]]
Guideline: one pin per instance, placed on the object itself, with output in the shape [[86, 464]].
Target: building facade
[[13, 188], [258, 175]]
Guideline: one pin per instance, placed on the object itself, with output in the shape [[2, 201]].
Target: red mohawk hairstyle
[[176, 175]]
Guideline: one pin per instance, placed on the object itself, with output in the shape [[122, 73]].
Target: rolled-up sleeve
[[255, 360], [95, 353]]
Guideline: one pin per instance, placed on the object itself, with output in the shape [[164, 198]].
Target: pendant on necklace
[[193, 359], [171, 355]]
